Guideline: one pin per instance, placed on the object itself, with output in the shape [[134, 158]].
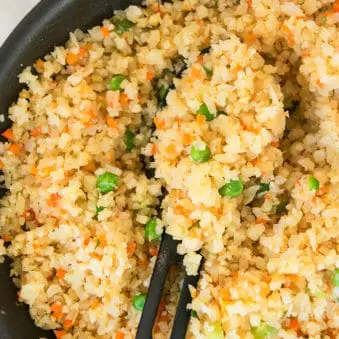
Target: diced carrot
[[65, 129], [313, 200], [336, 6], [200, 59], [105, 31], [153, 149], [200, 119], [71, 59], [119, 335], [111, 122], [249, 4], [276, 143], [6, 238], [86, 241], [178, 120], [2, 165], [53, 199], [321, 191], [150, 73], [103, 241], [59, 334], [187, 139], [195, 72], [235, 275], [260, 221], [60, 273], [81, 52], [294, 324], [39, 65], [91, 113], [159, 123], [15, 149], [179, 209], [97, 256], [153, 250], [34, 170], [123, 98], [320, 84], [36, 131], [268, 196], [90, 167], [67, 324], [155, 7], [8, 134], [250, 37], [131, 248]]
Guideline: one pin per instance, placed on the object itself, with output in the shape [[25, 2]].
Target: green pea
[[264, 331], [162, 94], [203, 110], [150, 230], [139, 301], [121, 25], [335, 278], [208, 71], [99, 209], [232, 189], [313, 183], [194, 314], [200, 152], [107, 182], [217, 332], [129, 140], [116, 81], [263, 187]]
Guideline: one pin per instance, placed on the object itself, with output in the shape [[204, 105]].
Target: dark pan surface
[[44, 27]]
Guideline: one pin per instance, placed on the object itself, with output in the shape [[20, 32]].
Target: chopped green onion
[[162, 94], [335, 278], [200, 152], [313, 183], [232, 189], [115, 83], [129, 140], [203, 110], [150, 230], [194, 314], [264, 331], [264, 187], [99, 209], [139, 301], [217, 332], [121, 25], [107, 182], [208, 71]]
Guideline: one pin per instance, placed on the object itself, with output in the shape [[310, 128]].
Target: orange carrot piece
[[6, 238], [155, 7], [105, 31], [8, 134], [39, 65], [60, 273], [131, 248], [56, 307], [29, 215], [260, 221], [249, 4], [15, 149], [321, 191], [67, 324], [195, 72], [35, 132], [123, 98], [187, 139], [171, 149], [111, 122], [72, 59], [150, 74], [154, 149], [81, 52], [336, 6], [294, 324], [119, 335], [90, 167], [200, 119], [59, 334], [159, 123], [34, 170], [276, 143], [53, 200], [153, 250], [2, 165], [319, 83]]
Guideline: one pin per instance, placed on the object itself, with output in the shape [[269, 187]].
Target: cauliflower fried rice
[[231, 108]]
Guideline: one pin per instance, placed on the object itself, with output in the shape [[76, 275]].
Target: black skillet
[[46, 26]]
